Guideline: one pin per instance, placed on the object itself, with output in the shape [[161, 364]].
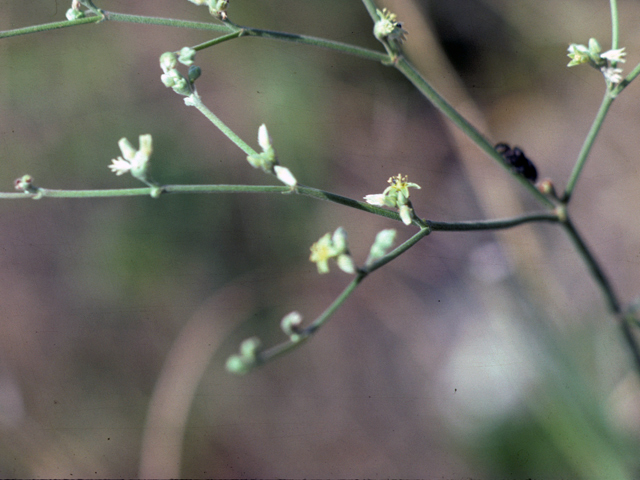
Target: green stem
[[218, 40], [614, 25], [409, 71], [49, 26], [610, 296], [371, 8], [596, 272], [317, 42], [242, 32], [628, 79], [167, 22], [491, 224], [586, 147], [197, 102]]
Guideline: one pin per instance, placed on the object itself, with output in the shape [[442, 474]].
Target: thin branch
[[304, 335], [492, 224], [49, 26], [409, 71], [588, 143], [596, 271]]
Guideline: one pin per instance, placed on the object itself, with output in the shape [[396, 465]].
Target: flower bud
[[291, 325], [383, 242], [194, 73], [187, 54], [168, 61]]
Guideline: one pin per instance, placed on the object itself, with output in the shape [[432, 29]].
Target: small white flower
[[612, 75], [285, 176], [120, 166], [615, 55], [132, 160], [378, 199]]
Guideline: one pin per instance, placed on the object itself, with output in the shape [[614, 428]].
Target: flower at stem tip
[[387, 27], [396, 195], [605, 62]]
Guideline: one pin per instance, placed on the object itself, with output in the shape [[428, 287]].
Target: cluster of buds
[[268, 161], [604, 61], [333, 246], [171, 76], [396, 195], [244, 361], [217, 8], [388, 28]]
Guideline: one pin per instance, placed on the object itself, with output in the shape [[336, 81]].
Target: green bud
[[383, 242], [187, 54], [239, 365], [194, 73], [339, 240], [346, 264], [406, 214], [250, 347]]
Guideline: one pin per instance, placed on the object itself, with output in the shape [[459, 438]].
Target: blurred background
[[478, 354]]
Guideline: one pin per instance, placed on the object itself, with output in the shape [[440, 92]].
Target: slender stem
[[409, 71], [632, 342], [610, 296], [371, 8], [614, 25], [317, 42], [628, 79], [167, 22], [492, 224], [169, 189], [218, 40], [197, 102], [586, 147], [242, 32], [596, 272], [49, 26]]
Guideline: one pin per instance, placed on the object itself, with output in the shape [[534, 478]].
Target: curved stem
[[586, 147]]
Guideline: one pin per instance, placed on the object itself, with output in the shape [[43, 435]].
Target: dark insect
[[517, 161]]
